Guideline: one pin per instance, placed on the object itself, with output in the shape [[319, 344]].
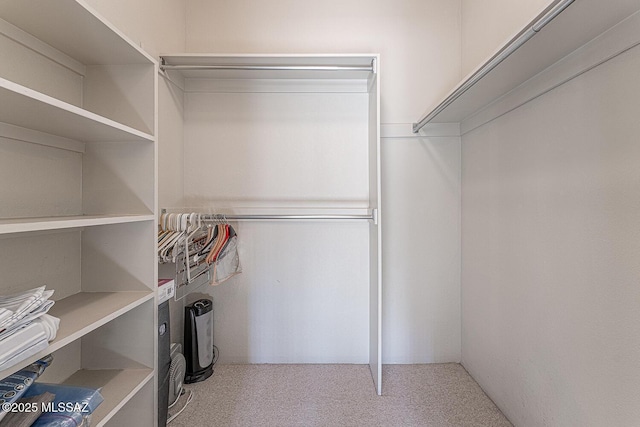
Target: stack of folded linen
[[25, 328]]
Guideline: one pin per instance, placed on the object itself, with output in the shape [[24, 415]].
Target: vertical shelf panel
[[375, 237]]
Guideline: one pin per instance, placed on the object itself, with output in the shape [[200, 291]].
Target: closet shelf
[[73, 27], [82, 313], [580, 22], [266, 67], [117, 386], [27, 108], [22, 225]]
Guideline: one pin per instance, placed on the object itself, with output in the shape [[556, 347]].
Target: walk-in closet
[[285, 213], [286, 148]]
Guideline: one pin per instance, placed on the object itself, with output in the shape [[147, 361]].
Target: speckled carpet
[[338, 395]]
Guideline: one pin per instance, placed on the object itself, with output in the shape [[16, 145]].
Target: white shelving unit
[[78, 112], [539, 64], [277, 103]]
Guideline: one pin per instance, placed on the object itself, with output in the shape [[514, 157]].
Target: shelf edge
[[60, 223]]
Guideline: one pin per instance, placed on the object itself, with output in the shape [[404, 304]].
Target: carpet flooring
[[338, 395]]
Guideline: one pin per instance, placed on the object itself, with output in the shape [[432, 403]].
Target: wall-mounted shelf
[[341, 67], [531, 53], [22, 225], [73, 27], [82, 313], [30, 109]]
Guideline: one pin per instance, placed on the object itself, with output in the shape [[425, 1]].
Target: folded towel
[[22, 305], [21, 296], [28, 340], [26, 319]]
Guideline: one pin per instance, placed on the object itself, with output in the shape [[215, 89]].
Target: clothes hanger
[[223, 237]]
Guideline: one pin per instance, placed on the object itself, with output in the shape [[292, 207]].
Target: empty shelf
[[21, 225], [27, 108]]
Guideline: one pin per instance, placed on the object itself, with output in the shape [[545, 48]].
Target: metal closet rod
[[368, 68], [285, 217], [251, 217], [495, 61]]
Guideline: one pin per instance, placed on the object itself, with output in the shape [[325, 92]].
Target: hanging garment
[[197, 247], [212, 234], [223, 235], [227, 264]]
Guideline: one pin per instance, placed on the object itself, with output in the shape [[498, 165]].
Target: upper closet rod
[[217, 217], [503, 54], [368, 68]]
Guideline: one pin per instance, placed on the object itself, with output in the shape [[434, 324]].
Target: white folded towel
[[28, 340], [26, 319], [21, 305]]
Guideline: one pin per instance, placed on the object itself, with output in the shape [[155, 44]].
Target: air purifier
[[198, 340]]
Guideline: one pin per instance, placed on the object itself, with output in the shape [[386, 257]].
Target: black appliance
[[198, 340], [164, 362]]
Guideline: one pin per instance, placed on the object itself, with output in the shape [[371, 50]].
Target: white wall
[[421, 249], [489, 24], [303, 294], [550, 325], [419, 43], [418, 40], [158, 26]]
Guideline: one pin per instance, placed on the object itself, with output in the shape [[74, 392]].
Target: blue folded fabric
[[15, 385], [70, 405]]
